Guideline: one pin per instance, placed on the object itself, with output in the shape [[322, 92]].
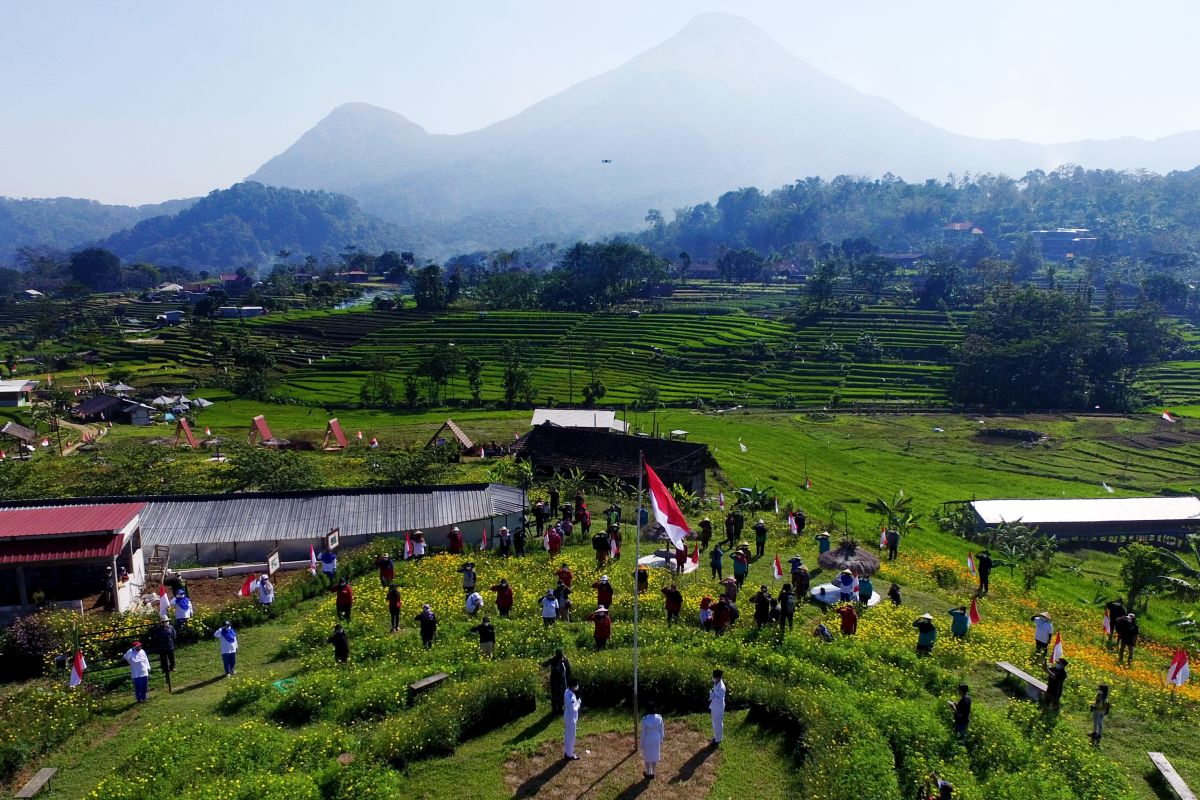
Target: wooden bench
[[1033, 687], [1168, 772], [39, 781], [427, 683]]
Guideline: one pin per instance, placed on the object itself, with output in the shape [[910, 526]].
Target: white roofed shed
[[1096, 517]]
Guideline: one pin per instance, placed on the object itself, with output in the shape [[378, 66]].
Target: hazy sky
[[137, 101]]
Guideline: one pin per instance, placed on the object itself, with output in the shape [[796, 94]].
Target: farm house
[[226, 528], [1096, 518]]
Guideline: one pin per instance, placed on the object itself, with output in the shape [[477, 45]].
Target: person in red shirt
[[604, 592], [387, 569], [504, 597], [554, 541], [603, 626], [565, 575], [455, 539], [680, 558], [674, 600], [344, 600], [849, 619], [721, 615]]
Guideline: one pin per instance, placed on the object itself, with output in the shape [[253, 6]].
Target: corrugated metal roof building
[[211, 529], [1096, 517]]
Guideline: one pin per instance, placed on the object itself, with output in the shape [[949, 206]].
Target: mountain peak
[[716, 43]]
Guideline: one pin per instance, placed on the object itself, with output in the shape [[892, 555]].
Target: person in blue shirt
[[328, 560], [845, 583], [960, 622]]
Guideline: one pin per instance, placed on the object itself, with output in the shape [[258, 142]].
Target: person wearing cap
[[1127, 636], [393, 603], [849, 619], [265, 590], [473, 604], [604, 592], [1043, 630], [674, 603], [571, 705], [716, 560], [760, 538], [487, 636], [960, 622], [603, 626], [183, 609], [387, 569], [504, 597], [787, 607], [845, 584], [139, 670], [822, 542], [428, 622], [454, 540], [926, 634], [1056, 678], [469, 577], [601, 546], [741, 566], [549, 608], [344, 600], [226, 637], [504, 543], [560, 678], [762, 606], [341, 644], [716, 705], [705, 533], [652, 739]]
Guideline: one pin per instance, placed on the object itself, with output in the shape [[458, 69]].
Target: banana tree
[[896, 512], [754, 498]]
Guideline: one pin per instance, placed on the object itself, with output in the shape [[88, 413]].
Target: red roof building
[[68, 552]]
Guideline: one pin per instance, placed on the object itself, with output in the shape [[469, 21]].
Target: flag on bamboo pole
[[882, 537], [1180, 670], [792, 524], [1057, 653], [666, 512], [408, 546], [971, 563], [78, 665], [973, 614], [1107, 624], [808, 483], [778, 568], [776, 505], [248, 584], [1168, 416], [696, 554], [483, 542], [312, 558], [164, 602]]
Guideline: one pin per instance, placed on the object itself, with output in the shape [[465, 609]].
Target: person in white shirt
[[549, 608], [571, 704], [227, 637], [265, 589], [474, 603], [418, 545], [183, 609], [716, 705], [652, 740], [139, 670], [1043, 630]]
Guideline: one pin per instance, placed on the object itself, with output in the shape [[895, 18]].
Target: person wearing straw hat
[[265, 590], [387, 569], [603, 629], [926, 634], [139, 670], [741, 565], [845, 584], [1043, 630]]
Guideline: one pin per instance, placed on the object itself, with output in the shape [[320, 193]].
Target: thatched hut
[[850, 555]]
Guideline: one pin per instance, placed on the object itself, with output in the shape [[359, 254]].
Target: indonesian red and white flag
[[164, 602], [808, 483], [1168, 416], [882, 537], [1180, 670], [483, 544], [78, 665], [374, 442], [359, 434], [854, 586], [776, 505], [207, 431], [408, 548], [778, 568], [312, 559], [666, 511], [1107, 624], [546, 540], [971, 562], [45, 442], [973, 613], [1056, 653], [2, 456], [248, 584], [696, 554], [614, 548], [792, 524], [721, 500]]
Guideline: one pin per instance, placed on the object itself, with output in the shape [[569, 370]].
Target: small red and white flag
[[516, 436], [696, 554], [164, 602], [546, 540], [1107, 624], [483, 543], [776, 505], [2, 456], [1168, 416], [45, 442], [1180, 670], [408, 546], [854, 586], [882, 537], [778, 568], [359, 434], [721, 500], [666, 512], [614, 548], [973, 613], [971, 562], [1056, 653], [248, 584], [78, 665], [808, 483], [792, 524], [312, 560], [207, 431], [374, 443]]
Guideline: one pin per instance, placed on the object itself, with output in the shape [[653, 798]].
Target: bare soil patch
[[608, 767]]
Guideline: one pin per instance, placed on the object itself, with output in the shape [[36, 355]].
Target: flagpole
[[637, 554]]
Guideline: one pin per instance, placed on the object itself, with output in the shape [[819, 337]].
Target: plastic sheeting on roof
[[1083, 511]]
